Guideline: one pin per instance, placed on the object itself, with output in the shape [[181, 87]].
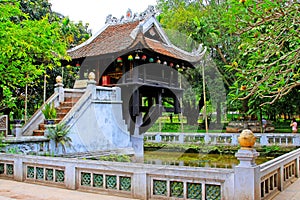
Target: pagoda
[[135, 54]]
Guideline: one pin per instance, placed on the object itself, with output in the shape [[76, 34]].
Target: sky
[[95, 12]]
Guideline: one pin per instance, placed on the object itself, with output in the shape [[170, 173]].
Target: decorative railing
[[127, 179], [222, 138], [146, 181], [278, 173], [104, 180], [107, 94], [44, 173], [4, 125], [7, 169]]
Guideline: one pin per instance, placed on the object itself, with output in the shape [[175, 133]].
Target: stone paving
[[290, 193], [12, 190]]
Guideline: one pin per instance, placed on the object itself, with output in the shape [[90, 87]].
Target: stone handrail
[[267, 139], [145, 181], [134, 180], [38, 116], [106, 94], [278, 173]]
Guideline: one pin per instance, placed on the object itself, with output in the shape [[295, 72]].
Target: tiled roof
[[120, 37], [114, 38]]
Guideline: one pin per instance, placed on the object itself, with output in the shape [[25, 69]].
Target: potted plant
[[59, 134], [49, 113]]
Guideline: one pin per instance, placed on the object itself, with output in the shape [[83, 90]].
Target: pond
[[195, 159]]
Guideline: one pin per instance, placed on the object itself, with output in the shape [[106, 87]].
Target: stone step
[[42, 127], [38, 132], [71, 99], [60, 115], [67, 104], [63, 109]]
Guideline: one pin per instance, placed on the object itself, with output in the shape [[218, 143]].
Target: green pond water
[[195, 159]]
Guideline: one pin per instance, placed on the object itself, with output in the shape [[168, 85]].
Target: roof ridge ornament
[[130, 17]]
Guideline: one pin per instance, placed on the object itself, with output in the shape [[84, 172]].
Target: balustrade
[[223, 138]]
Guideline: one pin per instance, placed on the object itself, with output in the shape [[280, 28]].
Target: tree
[[267, 65], [201, 23], [71, 33], [28, 48]]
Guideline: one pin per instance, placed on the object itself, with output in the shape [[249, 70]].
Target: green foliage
[[271, 149], [267, 65], [49, 111], [27, 49], [116, 158], [59, 134]]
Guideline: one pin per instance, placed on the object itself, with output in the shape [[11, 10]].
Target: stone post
[[91, 84], [247, 173], [140, 185], [17, 130], [137, 139], [18, 168], [59, 88]]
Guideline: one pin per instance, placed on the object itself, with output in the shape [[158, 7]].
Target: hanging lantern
[[144, 57], [137, 57], [130, 57], [165, 63], [151, 60], [158, 61], [77, 65], [119, 60], [177, 66], [171, 64]]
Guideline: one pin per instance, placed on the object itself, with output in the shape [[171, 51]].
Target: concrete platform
[[290, 193], [10, 190]]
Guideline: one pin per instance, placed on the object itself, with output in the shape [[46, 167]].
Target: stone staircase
[[61, 110]]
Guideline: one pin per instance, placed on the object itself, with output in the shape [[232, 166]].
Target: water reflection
[[194, 159]]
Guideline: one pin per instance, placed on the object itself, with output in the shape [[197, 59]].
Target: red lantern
[[144, 57], [119, 60]]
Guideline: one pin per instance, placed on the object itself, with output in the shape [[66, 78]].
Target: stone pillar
[[247, 173], [118, 93], [91, 84], [138, 144], [18, 168], [17, 130], [139, 185], [59, 88], [70, 176], [207, 139], [137, 139]]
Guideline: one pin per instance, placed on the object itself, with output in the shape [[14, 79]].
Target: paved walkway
[[13, 190], [290, 193], [10, 190]]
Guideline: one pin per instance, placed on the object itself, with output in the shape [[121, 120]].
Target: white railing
[[106, 94], [126, 179], [278, 173], [146, 181], [223, 138]]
